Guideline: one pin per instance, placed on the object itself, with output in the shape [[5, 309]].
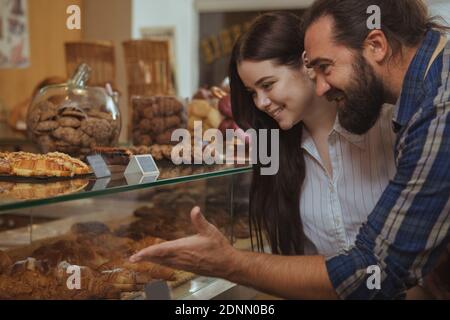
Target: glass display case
[[71, 239]]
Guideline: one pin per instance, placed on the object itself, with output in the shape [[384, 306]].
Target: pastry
[[54, 164], [71, 251], [143, 271], [28, 191], [93, 228], [114, 156]]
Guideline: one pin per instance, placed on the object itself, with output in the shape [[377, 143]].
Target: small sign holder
[[99, 166], [141, 169], [136, 178]]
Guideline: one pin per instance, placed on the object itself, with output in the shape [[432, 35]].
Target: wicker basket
[[99, 55], [148, 69]]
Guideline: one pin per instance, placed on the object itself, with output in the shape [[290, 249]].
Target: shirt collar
[[412, 89], [355, 139]]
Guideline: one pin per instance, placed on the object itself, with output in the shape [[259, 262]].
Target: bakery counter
[[78, 248], [18, 192]]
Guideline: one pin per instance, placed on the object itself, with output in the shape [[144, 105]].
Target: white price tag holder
[[99, 166], [141, 169]]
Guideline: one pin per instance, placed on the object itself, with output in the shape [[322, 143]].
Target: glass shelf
[[25, 194]]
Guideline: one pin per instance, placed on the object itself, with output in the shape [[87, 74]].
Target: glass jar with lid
[[73, 117]]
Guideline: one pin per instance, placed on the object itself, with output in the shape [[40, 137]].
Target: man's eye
[[324, 68]]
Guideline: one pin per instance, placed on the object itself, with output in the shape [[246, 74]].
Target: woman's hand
[[207, 253]]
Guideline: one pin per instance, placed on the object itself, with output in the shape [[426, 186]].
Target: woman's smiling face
[[282, 92]]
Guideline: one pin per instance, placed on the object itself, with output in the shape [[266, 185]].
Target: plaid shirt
[[410, 225]]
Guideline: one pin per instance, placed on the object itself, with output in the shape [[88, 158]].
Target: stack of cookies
[[72, 129], [155, 118]]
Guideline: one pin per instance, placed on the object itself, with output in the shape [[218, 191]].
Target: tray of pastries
[[30, 166], [29, 191], [43, 271]]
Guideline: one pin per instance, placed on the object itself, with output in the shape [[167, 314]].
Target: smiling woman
[[324, 169]]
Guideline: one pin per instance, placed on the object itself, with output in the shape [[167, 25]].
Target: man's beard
[[364, 98]]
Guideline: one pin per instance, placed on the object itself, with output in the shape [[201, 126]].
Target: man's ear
[[376, 47]]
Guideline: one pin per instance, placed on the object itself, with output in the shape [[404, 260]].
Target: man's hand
[[207, 253]]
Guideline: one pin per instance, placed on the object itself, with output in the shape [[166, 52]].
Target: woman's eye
[[266, 86]]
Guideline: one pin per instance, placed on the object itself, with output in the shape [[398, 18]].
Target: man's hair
[[404, 22]]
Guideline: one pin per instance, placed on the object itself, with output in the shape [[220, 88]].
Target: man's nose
[[322, 86]]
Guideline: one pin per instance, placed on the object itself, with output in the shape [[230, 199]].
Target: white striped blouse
[[333, 209]]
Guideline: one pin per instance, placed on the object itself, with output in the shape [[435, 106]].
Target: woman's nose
[[322, 86], [262, 102]]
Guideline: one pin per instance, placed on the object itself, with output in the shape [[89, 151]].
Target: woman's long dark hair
[[274, 199]]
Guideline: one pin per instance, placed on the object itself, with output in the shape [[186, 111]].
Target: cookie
[[164, 138], [33, 118], [158, 125], [172, 121], [103, 130], [144, 139], [73, 113], [145, 125], [100, 115], [48, 111], [48, 115], [99, 129], [86, 140], [148, 112], [68, 135], [46, 126], [69, 122]]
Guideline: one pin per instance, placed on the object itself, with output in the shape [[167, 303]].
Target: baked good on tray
[[53, 164], [114, 156], [102, 257], [29, 191]]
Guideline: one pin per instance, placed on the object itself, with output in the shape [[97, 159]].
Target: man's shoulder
[[437, 85]]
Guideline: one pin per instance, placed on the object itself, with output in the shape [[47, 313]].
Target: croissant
[[71, 251], [53, 164], [143, 270]]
